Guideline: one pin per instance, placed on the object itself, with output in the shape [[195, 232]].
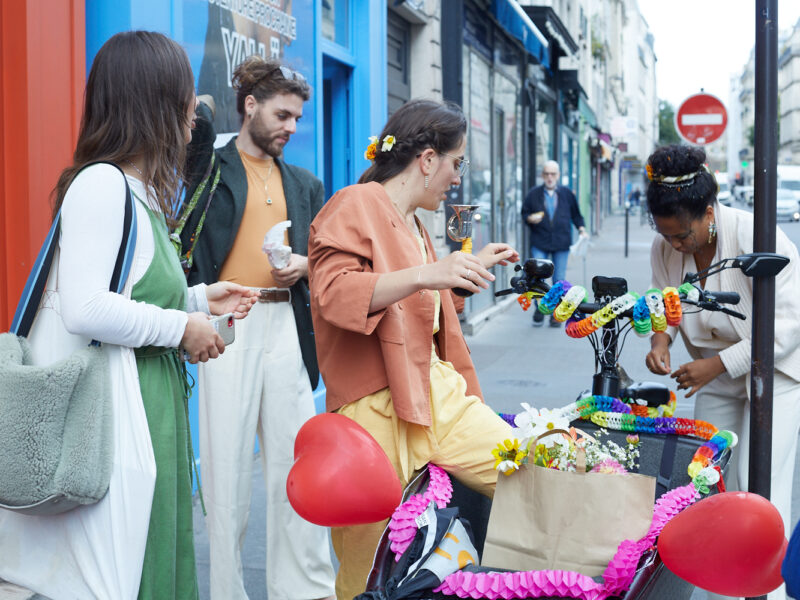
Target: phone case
[[226, 327]]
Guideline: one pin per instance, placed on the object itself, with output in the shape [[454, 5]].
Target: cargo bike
[[669, 444]]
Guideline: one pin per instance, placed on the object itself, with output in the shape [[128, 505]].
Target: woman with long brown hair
[[138, 113]]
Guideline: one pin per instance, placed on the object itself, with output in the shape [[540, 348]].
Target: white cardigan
[[91, 232], [735, 237]]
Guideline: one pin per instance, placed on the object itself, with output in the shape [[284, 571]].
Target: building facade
[[789, 98]]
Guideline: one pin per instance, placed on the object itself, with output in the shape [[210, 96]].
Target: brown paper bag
[[548, 519]]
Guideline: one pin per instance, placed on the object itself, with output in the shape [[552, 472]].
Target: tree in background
[[666, 124]]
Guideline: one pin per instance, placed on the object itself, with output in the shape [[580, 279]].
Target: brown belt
[[268, 295]]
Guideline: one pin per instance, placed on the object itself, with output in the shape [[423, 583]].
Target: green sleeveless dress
[[169, 567]]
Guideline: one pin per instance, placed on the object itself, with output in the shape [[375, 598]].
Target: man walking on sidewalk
[[550, 210], [264, 386]]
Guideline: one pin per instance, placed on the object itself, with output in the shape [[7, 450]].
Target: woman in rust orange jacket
[[390, 346]]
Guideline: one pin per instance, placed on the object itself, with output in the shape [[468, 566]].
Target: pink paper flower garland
[[617, 577], [402, 525]]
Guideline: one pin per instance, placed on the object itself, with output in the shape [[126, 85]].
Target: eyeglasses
[[462, 164], [290, 74]]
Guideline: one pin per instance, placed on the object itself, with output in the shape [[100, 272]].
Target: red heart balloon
[[731, 544], [341, 476]]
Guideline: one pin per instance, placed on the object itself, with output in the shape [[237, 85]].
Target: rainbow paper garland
[[654, 311]]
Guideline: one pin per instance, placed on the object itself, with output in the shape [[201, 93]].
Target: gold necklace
[[265, 180]]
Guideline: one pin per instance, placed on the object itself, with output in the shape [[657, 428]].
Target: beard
[[270, 143]]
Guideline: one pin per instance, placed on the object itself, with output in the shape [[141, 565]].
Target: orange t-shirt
[[247, 264]]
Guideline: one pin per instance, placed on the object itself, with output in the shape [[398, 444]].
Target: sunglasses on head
[[290, 74]]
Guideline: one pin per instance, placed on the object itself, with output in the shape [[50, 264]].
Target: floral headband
[[671, 180], [388, 143]]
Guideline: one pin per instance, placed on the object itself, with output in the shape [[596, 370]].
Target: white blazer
[[735, 237]]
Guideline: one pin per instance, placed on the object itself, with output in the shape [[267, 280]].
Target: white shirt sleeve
[[197, 301], [91, 232]]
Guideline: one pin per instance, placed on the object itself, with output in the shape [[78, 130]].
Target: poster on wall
[[220, 34]]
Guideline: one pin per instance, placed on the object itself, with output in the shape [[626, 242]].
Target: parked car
[[789, 179], [788, 208], [724, 194]]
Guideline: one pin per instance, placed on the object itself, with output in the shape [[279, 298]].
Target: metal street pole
[[627, 213], [763, 321]]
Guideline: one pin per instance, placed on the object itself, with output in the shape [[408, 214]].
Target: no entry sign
[[701, 119]]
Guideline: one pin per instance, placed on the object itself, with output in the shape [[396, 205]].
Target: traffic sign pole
[[762, 355]]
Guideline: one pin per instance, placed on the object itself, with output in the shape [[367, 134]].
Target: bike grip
[[504, 292], [722, 297]]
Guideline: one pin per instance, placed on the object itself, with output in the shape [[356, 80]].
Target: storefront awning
[[514, 20]]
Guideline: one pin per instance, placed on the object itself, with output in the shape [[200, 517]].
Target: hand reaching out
[[497, 254], [228, 297], [457, 270], [694, 375]]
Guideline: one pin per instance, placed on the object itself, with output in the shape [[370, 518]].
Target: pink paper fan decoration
[[617, 577], [402, 525]]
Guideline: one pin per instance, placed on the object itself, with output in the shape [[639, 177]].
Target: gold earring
[[712, 231], [427, 182]]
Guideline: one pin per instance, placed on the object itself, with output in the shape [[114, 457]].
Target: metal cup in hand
[[459, 229]]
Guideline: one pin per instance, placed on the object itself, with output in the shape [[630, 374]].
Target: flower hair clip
[[387, 144]]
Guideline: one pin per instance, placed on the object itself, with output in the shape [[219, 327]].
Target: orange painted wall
[[42, 77]]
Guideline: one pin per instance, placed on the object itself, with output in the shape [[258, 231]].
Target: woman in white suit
[[696, 231]]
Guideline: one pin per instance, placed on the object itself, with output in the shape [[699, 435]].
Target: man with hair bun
[[235, 195]]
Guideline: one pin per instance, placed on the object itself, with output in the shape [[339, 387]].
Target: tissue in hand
[[273, 246]]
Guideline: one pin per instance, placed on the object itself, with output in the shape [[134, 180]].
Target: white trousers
[[724, 403], [259, 386]]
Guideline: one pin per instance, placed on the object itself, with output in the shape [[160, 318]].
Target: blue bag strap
[[37, 279]]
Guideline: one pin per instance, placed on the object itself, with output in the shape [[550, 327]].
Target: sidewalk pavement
[[516, 363]]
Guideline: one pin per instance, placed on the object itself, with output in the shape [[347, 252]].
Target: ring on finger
[[467, 274]]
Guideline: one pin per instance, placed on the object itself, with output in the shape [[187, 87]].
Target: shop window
[[479, 148], [398, 36], [335, 21], [507, 176]]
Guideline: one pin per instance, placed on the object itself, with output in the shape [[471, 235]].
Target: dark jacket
[[305, 196], [556, 234]]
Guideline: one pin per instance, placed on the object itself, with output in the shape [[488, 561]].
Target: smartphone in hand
[[226, 328]]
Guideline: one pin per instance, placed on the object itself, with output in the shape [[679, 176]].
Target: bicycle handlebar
[[533, 275]]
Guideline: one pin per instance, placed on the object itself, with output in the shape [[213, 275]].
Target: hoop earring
[[712, 231], [427, 182]]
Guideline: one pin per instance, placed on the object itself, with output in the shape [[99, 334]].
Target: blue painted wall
[[212, 37]]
